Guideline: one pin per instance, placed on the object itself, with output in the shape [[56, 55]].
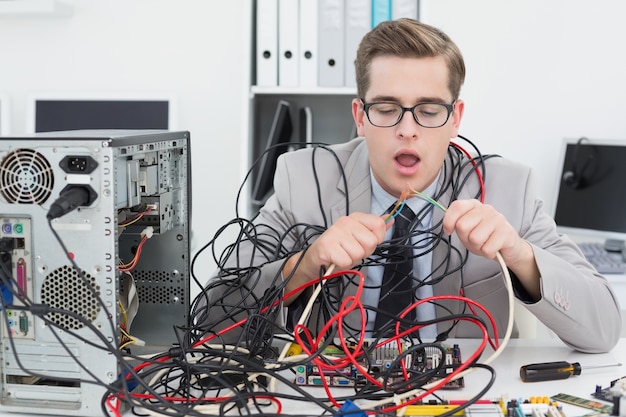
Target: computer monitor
[[277, 144], [591, 197], [48, 113]]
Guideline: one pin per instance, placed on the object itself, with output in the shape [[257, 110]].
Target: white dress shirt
[[381, 201]]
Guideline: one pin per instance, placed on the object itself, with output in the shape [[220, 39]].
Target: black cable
[[233, 294], [479, 395], [435, 239]]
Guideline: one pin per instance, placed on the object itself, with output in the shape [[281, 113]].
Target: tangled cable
[[228, 360], [232, 357]]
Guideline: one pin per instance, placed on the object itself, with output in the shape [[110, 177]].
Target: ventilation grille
[[26, 177], [159, 287], [64, 289]]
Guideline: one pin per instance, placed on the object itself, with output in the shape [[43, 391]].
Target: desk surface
[[522, 352], [518, 352], [525, 351]]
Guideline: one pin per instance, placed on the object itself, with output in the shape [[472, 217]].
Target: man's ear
[[358, 114], [457, 115]]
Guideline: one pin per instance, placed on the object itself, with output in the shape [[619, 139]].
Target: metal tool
[[551, 371]]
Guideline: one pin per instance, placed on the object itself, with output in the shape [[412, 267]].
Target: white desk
[[522, 352], [525, 351], [517, 353]]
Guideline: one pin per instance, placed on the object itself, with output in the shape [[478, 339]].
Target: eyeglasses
[[388, 114]]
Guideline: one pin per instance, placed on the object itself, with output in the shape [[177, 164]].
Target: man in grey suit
[[330, 204]]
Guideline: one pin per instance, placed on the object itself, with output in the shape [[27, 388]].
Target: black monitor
[[56, 114], [591, 198], [277, 143]]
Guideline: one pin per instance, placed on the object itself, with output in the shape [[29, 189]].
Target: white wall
[[193, 50], [538, 71]]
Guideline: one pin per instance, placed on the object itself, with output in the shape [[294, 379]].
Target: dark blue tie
[[396, 292]]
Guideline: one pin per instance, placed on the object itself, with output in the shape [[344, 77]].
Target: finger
[[350, 239], [372, 223], [365, 237], [474, 227], [483, 230], [455, 211]]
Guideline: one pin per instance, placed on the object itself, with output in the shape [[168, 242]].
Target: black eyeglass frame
[[366, 109]]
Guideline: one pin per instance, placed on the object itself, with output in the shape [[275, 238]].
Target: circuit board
[[583, 402], [382, 361], [604, 394]]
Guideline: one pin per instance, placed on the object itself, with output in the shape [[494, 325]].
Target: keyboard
[[604, 261]]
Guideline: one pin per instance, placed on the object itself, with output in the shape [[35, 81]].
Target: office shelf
[[330, 109], [35, 8], [316, 91]]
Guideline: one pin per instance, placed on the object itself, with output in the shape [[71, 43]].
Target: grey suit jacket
[[316, 186]]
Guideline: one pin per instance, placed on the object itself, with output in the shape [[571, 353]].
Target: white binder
[[358, 23], [331, 43], [309, 55], [405, 8], [288, 40], [267, 43]]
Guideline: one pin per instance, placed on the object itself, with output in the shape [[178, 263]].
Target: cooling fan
[[26, 177], [64, 289]]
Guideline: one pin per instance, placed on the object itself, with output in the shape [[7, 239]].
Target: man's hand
[[349, 240], [484, 232]]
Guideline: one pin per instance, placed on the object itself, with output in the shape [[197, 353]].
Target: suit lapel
[[359, 191], [359, 195]]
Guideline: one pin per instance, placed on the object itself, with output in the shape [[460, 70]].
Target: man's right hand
[[344, 244]]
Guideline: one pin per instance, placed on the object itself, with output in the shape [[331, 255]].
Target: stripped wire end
[[427, 198], [405, 196], [399, 204]]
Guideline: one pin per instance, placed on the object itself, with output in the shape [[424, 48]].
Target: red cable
[[349, 305], [491, 342], [478, 173], [450, 297], [447, 379]]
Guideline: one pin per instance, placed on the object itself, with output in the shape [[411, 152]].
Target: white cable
[[303, 318], [490, 359], [408, 394]]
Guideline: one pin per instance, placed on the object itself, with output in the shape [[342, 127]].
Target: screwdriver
[[551, 371]]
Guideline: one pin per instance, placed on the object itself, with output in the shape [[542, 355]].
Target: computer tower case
[[117, 276]]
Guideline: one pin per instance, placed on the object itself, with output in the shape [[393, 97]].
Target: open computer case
[[94, 250]]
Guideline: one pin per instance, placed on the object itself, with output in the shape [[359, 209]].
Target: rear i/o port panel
[[15, 278]]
